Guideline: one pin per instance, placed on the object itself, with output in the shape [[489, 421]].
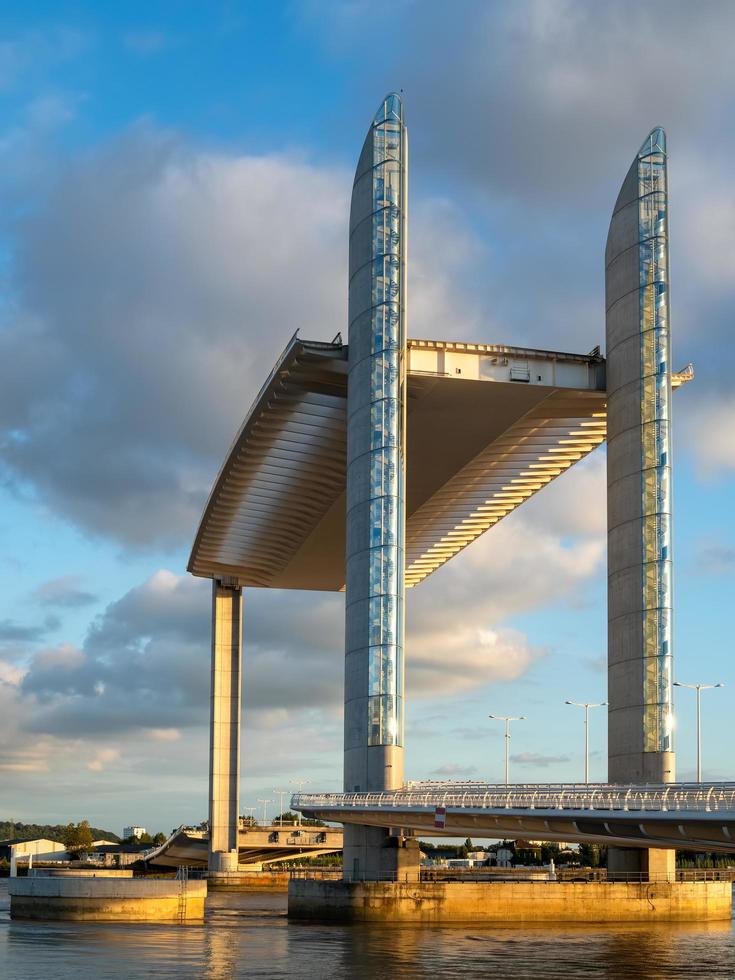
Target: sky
[[174, 192]]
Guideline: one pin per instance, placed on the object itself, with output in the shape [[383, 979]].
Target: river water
[[246, 935]]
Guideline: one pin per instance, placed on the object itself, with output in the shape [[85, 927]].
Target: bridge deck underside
[[476, 450], [705, 832]]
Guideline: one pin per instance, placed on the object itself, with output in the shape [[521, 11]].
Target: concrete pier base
[[509, 902], [108, 899], [654, 863], [375, 854]]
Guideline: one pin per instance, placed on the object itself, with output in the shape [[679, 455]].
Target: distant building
[[29, 849], [133, 832], [118, 855]]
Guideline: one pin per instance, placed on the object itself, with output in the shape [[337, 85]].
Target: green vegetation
[[146, 838], [293, 818], [77, 838], [10, 829], [704, 859], [315, 861], [593, 855]]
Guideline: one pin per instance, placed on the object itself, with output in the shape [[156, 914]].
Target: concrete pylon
[[224, 744], [639, 514], [376, 426]]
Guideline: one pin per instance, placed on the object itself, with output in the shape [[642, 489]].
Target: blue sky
[[174, 185]]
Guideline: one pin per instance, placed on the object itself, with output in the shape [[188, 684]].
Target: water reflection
[[250, 936]]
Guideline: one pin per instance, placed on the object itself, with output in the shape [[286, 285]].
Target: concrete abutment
[[105, 899], [503, 903]]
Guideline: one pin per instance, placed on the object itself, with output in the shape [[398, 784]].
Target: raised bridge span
[[689, 816], [258, 845]]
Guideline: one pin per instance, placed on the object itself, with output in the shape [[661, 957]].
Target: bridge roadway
[[688, 816], [257, 845]]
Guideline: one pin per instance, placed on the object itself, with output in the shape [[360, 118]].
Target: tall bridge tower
[[376, 479], [639, 474]]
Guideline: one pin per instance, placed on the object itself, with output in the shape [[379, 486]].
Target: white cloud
[[454, 770], [64, 592], [102, 759], [31, 53], [707, 432], [153, 277], [715, 557], [460, 657], [165, 734], [537, 759]]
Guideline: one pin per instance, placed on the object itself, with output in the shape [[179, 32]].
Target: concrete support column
[[639, 508], [224, 745], [646, 863], [376, 425]]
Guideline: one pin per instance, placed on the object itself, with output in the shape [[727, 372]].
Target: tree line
[[10, 829]]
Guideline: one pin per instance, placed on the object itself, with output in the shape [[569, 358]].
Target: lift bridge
[[366, 466]]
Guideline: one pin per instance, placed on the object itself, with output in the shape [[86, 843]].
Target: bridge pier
[[375, 854], [648, 863], [639, 507], [376, 480], [224, 745]]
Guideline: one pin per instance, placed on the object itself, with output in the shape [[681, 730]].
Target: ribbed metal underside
[[282, 473], [475, 451], [559, 431]]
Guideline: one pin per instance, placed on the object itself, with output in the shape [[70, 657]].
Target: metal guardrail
[[582, 876], [676, 797]]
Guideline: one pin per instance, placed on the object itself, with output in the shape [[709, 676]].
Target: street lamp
[[252, 810], [698, 688], [507, 719], [265, 810], [300, 783], [587, 705], [280, 793]]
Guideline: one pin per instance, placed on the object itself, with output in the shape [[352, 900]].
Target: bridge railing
[[674, 797], [540, 875]]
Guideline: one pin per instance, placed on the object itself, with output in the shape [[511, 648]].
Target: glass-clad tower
[[639, 473], [376, 470]]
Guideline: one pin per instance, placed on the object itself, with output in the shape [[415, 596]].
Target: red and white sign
[[440, 816]]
